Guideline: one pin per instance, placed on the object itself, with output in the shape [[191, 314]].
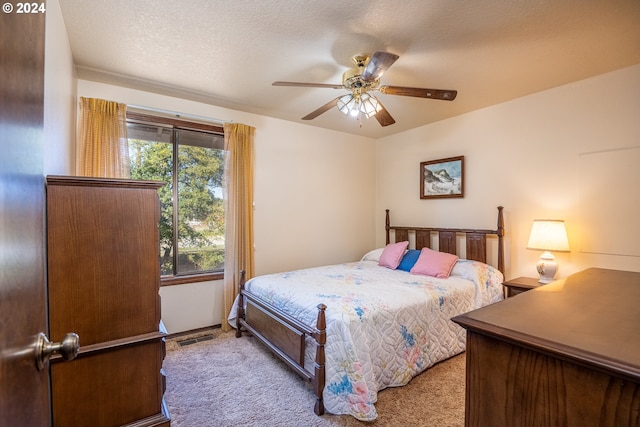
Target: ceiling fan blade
[[442, 94], [298, 84], [378, 64], [326, 107], [383, 116]]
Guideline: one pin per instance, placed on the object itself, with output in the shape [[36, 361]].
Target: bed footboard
[[285, 336]]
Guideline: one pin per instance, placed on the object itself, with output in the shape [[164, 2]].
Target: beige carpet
[[226, 381]]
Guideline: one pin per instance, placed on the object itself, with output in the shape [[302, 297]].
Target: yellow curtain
[[238, 184], [103, 148]]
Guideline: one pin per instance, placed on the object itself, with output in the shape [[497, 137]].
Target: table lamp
[[548, 235]]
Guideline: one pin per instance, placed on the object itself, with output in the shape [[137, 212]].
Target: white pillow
[[373, 255]]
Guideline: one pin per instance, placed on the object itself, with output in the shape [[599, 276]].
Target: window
[[189, 158]]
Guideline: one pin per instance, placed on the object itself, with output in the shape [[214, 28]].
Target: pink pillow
[[392, 254], [434, 263]]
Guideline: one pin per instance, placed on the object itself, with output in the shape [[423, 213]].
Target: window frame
[[176, 123]]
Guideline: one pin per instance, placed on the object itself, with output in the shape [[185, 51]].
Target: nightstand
[[519, 285]]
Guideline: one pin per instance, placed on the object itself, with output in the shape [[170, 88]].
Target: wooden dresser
[[103, 282], [563, 354]]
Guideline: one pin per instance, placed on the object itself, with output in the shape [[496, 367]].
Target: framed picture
[[441, 179]]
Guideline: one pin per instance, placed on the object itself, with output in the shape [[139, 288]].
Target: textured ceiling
[[229, 52]]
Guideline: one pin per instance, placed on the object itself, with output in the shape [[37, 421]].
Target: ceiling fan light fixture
[[347, 104], [369, 105], [353, 106]]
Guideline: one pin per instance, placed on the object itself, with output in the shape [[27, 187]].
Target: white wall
[[523, 155], [314, 198], [191, 306], [59, 96]]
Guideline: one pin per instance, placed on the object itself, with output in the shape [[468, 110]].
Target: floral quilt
[[383, 326]]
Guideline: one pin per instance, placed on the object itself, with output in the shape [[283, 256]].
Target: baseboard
[[194, 331]]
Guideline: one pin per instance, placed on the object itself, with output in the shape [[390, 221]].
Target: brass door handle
[[67, 348]]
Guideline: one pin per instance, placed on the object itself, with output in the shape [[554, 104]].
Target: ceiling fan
[[365, 78]]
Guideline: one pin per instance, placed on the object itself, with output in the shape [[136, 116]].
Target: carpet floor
[[220, 381]]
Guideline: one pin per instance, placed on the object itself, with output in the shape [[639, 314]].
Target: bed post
[[319, 377], [240, 312], [500, 233], [387, 225]]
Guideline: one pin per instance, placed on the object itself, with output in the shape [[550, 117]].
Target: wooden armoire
[[103, 283]]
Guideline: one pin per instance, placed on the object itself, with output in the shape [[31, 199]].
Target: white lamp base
[[547, 268]]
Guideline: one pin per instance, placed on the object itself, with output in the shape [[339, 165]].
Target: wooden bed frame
[[286, 336]]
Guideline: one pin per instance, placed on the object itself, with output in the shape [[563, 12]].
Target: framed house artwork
[[443, 178]]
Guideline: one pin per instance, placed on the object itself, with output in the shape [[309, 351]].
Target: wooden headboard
[[476, 240]]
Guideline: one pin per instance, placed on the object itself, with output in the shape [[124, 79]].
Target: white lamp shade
[[548, 235]]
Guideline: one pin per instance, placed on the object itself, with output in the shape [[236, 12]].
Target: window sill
[[191, 278]]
